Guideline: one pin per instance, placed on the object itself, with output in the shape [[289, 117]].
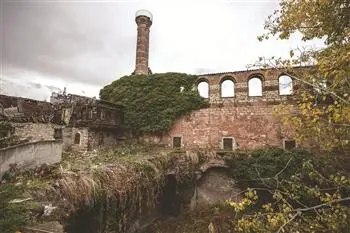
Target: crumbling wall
[[19, 109], [102, 138], [98, 123]]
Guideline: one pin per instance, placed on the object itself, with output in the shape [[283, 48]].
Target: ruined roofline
[[70, 96], [251, 70], [24, 99]]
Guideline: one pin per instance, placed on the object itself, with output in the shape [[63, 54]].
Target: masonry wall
[[69, 142], [30, 155], [248, 120], [102, 138], [35, 131], [250, 127]]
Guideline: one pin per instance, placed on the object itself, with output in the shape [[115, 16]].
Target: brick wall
[[247, 120], [251, 127]]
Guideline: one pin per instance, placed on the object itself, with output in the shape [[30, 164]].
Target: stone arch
[[227, 86], [285, 85], [170, 200], [255, 85], [203, 87]]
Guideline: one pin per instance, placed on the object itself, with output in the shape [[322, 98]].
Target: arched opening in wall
[[170, 201], [255, 86], [77, 138], [203, 88], [227, 87], [86, 219], [285, 85]]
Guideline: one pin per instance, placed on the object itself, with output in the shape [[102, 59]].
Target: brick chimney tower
[[143, 20]]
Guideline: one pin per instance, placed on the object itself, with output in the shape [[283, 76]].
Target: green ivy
[[153, 103]]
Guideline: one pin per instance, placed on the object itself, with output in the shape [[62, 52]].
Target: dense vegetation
[[104, 190], [292, 192], [283, 191], [152, 103]]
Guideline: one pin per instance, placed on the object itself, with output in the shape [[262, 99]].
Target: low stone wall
[[30, 155]]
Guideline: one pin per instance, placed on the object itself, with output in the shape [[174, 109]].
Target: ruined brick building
[[82, 123], [241, 106], [90, 123], [240, 113]]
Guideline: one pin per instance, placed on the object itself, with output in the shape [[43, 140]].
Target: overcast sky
[[84, 45]]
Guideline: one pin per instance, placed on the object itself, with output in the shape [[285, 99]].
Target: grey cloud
[[26, 90], [88, 44], [71, 41]]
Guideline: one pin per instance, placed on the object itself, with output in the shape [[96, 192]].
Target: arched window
[[77, 138], [255, 87], [285, 85], [227, 88], [203, 89]]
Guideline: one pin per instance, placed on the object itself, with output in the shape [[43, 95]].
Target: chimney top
[[144, 13]]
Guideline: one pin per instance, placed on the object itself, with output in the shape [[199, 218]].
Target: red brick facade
[[249, 121]]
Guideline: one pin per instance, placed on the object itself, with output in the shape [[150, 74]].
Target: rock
[[48, 209], [19, 200], [48, 227]]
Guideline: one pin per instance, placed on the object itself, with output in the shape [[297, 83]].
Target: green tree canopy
[[152, 103]]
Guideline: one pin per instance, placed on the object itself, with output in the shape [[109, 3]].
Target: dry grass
[[132, 178]]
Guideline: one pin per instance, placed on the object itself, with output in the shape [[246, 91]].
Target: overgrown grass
[[131, 176], [15, 215]]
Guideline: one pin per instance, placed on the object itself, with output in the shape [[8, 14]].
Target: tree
[[324, 88], [308, 201]]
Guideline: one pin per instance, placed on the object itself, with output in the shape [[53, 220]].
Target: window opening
[[227, 144], [176, 142], [285, 85], [255, 87], [203, 89], [57, 134], [77, 138], [227, 88]]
